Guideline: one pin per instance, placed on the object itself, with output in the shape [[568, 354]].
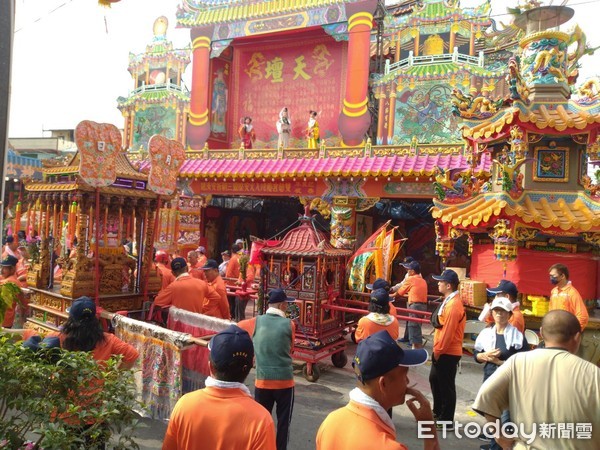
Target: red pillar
[[198, 127], [355, 119]]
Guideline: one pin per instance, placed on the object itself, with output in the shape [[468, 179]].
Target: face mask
[[553, 280]]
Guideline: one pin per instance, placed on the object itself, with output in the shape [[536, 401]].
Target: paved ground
[[315, 400]]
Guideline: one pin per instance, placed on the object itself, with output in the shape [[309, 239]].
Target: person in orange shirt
[[381, 283], [162, 261], [223, 415], [233, 266], [194, 265], [447, 349], [564, 296], [220, 309], [9, 265], [11, 248], [507, 289], [416, 287], [273, 335], [185, 292], [381, 367], [83, 332], [202, 258], [378, 318]]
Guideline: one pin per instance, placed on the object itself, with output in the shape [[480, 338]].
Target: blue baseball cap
[[379, 353], [380, 296], [448, 275], [379, 283], [82, 308], [210, 264], [504, 287], [279, 296], [412, 265], [9, 261], [230, 344], [178, 263]]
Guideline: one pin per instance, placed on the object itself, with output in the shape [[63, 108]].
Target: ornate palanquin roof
[[349, 166], [305, 240], [194, 13], [537, 116], [123, 167], [574, 212]]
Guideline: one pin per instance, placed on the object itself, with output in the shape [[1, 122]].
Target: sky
[[70, 57]]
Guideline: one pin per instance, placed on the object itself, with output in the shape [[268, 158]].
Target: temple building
[[158, 103]]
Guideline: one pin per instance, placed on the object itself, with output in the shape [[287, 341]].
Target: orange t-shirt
[[233, 267], [448, 339], [416, 287], [373, 322], [569, 299], [111, 345], [186, 293], [219, 419], [196, 271], [356, 427], [165, 274], [219, 309]]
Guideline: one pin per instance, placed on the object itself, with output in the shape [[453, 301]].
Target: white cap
[[503, 303], [240, 241]]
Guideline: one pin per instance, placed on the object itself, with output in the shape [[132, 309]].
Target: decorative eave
[[438, 11], [153, 97], [550, 117], [570, 212], [437, 71], [194, 13], [266, 164]]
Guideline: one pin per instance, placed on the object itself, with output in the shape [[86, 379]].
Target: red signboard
[[304, 72], [259, 187]]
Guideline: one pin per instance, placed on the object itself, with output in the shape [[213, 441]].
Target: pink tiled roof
[[420, 165], [305, 241]]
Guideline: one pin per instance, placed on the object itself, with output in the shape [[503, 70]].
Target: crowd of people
[[520, 385]]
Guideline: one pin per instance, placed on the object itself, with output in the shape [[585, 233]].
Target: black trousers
[[284, 398], [442, 379], [231, 301]]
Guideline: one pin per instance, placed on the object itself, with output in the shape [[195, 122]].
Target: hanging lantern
[[444, 248], [505, 245], [107, 3]]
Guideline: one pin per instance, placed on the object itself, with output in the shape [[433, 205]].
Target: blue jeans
[[415, 335]]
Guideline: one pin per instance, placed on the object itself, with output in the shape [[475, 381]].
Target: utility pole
[[7, 16]]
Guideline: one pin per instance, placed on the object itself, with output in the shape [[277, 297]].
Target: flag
[[358, 270], [368, 253]]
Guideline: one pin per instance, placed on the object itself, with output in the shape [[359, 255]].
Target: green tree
[[61, 399]]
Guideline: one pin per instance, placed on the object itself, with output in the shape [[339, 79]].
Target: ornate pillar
[[452, 42], [472, 41], [354, 120], [417, 36], [392, 116], [198, 128], [381, 116], [343, 222]]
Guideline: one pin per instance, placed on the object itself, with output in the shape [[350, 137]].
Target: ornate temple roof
[[194, 13], [438, 11], [556, 116], [155, 94], [575, 212], [305, 240], [416, 165]]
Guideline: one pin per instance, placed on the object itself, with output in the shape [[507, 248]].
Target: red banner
[[304, 72], [530, 270]]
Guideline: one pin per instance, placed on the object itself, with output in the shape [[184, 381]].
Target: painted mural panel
[[219, 96], [153, 120], [302, 74], [425, 112]]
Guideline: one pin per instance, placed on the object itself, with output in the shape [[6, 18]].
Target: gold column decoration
[[343, 222]]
